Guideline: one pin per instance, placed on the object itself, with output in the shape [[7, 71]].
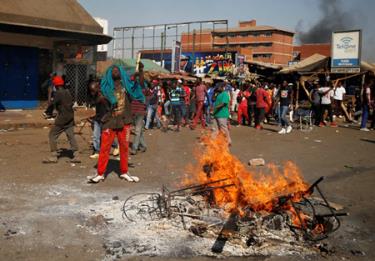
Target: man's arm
[[57, 99]]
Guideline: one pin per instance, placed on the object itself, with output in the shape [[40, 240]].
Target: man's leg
[[166, 108], [123, 140], [96, 136], [330, 112], [148, 117], [284, 119], [108, 136], [53, 135], [138, 138], [261, 115], [69, 131], [198, 113], [223, 127], [364, 116], [178, 116], [323, 108]]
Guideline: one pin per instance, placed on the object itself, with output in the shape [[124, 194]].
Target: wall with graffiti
[[208, 63]]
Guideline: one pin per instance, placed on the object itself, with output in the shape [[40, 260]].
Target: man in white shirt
[[338, 97], [326, 105]]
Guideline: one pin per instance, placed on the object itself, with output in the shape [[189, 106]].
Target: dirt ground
[[41, 205]]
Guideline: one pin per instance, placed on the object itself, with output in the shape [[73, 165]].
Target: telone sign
[[346, 49]]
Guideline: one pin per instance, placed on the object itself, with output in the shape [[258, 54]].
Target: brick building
[[266, 43], [303, 51]]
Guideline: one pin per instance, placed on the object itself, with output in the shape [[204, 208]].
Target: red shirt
[[261, 95], [200, 92], [187, 96]]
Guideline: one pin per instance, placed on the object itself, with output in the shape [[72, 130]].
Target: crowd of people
[[122, 103]]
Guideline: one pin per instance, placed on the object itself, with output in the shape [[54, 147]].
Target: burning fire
[[258, 191]]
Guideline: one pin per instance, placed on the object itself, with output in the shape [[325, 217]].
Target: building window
[[262, 55], [268, 34]]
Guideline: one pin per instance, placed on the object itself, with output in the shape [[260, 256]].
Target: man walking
[[366, 102], [338, 97], [152, 105], [138, 109], [176, 95], [261, 105], [285, 96], [326, 105], [200, 94], [64, 121], [221, 112]]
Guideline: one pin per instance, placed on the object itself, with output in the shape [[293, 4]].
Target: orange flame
[[259, 191]]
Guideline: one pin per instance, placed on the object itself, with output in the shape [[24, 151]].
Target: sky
[[295, 15]]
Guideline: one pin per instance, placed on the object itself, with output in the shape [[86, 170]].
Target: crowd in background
[[122, 103]]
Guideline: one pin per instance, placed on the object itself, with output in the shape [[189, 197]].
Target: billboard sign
[[176, 56], [346, 51]]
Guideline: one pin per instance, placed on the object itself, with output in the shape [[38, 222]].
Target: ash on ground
[[149, 235]]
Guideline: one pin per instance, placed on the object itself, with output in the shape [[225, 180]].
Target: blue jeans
[[139, 140], [177, 113], [208, 114], [152, 115], [96, 136], [97, 133], [166, 108], [283, 117], [365, 112]]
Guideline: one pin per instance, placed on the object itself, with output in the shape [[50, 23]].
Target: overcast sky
[[294, 15]]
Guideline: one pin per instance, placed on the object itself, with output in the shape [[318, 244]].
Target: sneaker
[[129, 178], [143, 149], [289, 129], [133, 152], [333, 125], [94, 156], [282, 131], [322, 124], [96, 179], [258, 127], [116, 151], [364, 129]]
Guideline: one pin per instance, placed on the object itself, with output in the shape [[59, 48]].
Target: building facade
[[265, 43], [38, 39]]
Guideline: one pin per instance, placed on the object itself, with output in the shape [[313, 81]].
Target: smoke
[[334, 18]]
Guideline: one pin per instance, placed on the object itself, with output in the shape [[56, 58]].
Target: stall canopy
[[313, 63], [149, 65], [317, 63]]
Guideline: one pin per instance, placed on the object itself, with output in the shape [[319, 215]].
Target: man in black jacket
[[64, 121]]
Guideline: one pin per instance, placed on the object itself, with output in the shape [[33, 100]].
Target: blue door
[[18, 77]]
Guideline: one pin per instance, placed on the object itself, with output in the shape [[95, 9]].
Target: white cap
[[179, 81]]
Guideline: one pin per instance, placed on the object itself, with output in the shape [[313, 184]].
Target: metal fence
[[77, 77], [128, 41]]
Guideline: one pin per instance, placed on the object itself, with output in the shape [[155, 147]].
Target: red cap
[[58, 81]]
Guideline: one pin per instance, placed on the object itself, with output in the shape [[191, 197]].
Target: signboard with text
[[176, 56], [346, 51]]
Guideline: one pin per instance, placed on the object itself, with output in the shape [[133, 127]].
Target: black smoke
[[334, 18]]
